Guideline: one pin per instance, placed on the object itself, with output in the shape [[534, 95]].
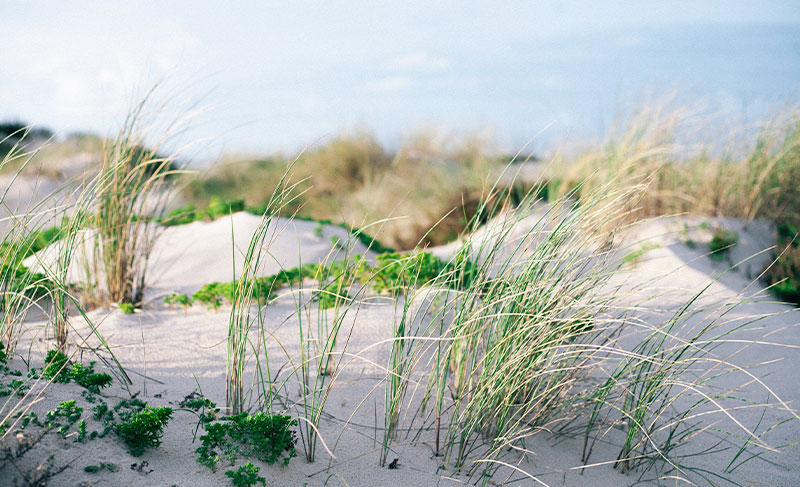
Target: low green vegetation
[[182, 300], [64, 416], [215, 293], [269, 438], [14, 249], [127, 308], [142, 429], [58, 369], [138, 425], [721, 242], [393, 273], [16, 386], [246, 476], [61, 419], [216, 208], [784, 275], [111, 467]]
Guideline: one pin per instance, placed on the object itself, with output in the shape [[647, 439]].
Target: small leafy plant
[[246, 476], [721, 243], [57, 368], [16, 386], [267, 437], [143, 429], [88, 378], [784, 274], [180, 299], [63, 416], [318, 230], [127, 308]]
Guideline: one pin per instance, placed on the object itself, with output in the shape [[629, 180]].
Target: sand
[[170, 352]]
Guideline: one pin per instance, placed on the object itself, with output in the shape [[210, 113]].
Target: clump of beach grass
[[133, 190], [515, 350]]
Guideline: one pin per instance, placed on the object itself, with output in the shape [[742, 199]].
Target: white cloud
[[420, 61], [388, 84]]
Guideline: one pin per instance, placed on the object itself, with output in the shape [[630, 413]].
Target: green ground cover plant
[[21, 283], [269, 438], [16, 386], [246, 476], [387, 276], [58, 369], [182, 300], [141, 427], [216, 208], [721, 242], [784, 275]]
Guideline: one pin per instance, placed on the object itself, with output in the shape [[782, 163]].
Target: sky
[[279, 75]]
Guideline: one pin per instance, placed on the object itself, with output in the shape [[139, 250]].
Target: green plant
[[217, 207], [267, 437], [102, 466], [16, 386], [721, 242], [180, 299], [180, 216], [58, 369], [88, 378], [784, 275], [66, 410], [56, 366], [318, 230], [127, 308], [143, 429], [246, 476], [395, 273], [81, 431]]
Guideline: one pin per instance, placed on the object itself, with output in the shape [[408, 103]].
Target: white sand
[[176, 348], [185, 257]]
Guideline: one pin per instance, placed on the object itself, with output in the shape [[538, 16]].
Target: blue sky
[[281, 75]]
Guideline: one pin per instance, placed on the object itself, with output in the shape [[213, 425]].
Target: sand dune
[[178, 350]]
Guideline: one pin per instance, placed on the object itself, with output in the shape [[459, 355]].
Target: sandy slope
[[177, 350], [185, 257]]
